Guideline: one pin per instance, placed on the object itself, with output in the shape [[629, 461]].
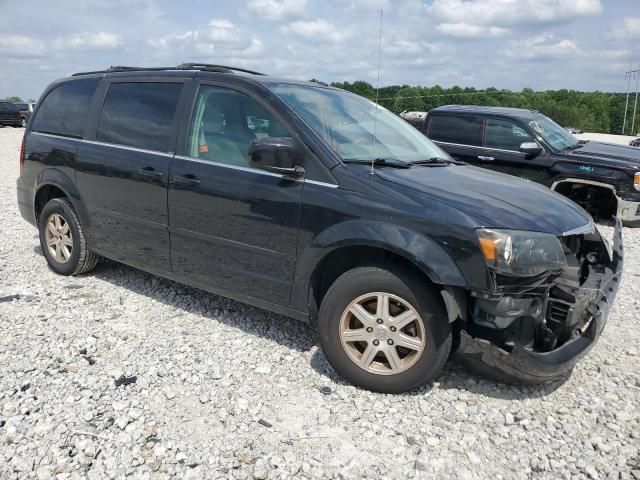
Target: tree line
[[589, 111], [15, 99]]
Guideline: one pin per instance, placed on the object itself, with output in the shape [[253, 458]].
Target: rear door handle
[[187, 180], [482, 158], [149, 172]]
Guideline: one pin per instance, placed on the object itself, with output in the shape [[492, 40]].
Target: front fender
[[565, 171], [59, 179], [419, 249]]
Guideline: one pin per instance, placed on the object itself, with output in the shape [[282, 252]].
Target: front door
[[500, 151], [233, 228]]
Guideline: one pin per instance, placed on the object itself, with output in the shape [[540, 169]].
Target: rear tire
[[23, 122], [62, 239], [359, 337]]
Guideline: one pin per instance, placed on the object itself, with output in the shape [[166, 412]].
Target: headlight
[[636, 181], [520, 253]]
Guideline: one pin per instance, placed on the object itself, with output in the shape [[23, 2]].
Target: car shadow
[[291, 333], [455, 376]]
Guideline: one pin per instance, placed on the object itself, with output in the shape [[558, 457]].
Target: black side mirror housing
[[530, 149], [275, 154]]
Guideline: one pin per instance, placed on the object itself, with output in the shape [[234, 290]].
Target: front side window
[[225, 121], [65, 110], [460, 129], [505, 135], [139, 115], [554, 134], [356, 128]]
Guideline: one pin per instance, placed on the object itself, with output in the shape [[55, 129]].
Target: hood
[[492, 199], [608, 154]]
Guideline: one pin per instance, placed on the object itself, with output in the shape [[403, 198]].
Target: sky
[[541, 44]]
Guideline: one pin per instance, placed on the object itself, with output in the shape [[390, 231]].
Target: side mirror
[[530, 149], [275, 154]]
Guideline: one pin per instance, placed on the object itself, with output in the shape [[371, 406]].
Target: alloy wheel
[[382, 333], [58, 238]]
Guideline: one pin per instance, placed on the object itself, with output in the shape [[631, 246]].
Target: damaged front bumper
[[524, 364]]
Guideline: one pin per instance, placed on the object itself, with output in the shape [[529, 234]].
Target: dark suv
[[601, 177], [312, 202], [10, 115]]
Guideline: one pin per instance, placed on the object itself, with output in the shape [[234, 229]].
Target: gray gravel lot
[[225, 390]]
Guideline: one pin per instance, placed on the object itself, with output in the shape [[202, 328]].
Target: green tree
[[408, 98]]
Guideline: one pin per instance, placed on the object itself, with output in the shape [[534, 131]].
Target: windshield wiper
[[436, 160], [385, 162]]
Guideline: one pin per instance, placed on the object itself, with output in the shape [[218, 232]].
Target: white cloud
[[629, 30], [544, 46], [404, 47], [89, 41], [254, 49], [318, 30], [220, 40], [223, 30], [21, 46], [466, 30], [173, 39], [277, 9], [508, 13]]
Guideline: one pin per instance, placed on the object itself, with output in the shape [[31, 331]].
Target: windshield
[[552, 133], [355, 128]]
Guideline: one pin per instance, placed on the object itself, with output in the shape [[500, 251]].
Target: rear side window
[[505, 135], [139, 115], [65, 109], [462, 129]]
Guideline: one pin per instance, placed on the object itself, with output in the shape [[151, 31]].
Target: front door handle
[[185, 180], [482, 158], [149, 172]]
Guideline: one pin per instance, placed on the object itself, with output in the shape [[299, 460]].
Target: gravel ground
[[217, 389]]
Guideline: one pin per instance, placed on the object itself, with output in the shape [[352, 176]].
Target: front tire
[[62, 239], [384, 329]]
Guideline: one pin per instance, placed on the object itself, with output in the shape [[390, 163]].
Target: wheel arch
[[52, 183], [557, 186], [382, 243]]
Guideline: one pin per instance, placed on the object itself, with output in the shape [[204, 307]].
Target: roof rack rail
[[208, 67], [213, 67]]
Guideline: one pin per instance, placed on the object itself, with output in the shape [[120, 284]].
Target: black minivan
[[318, 204]]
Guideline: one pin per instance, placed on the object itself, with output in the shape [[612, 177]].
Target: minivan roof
[[521, 113], [190, 70]]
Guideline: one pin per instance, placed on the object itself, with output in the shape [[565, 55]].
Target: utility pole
[[626, 103], [635, 104], [630, 75]]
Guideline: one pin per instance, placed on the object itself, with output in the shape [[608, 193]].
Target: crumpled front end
[[534, 330]]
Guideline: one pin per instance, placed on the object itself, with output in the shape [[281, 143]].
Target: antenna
[[375, 117]]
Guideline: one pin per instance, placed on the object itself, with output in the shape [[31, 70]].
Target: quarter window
[[225, 121], [65, 109], [461, 129], [139, 115], [505, 135]]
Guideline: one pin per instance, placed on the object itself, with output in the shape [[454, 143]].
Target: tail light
[[22, 157]]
